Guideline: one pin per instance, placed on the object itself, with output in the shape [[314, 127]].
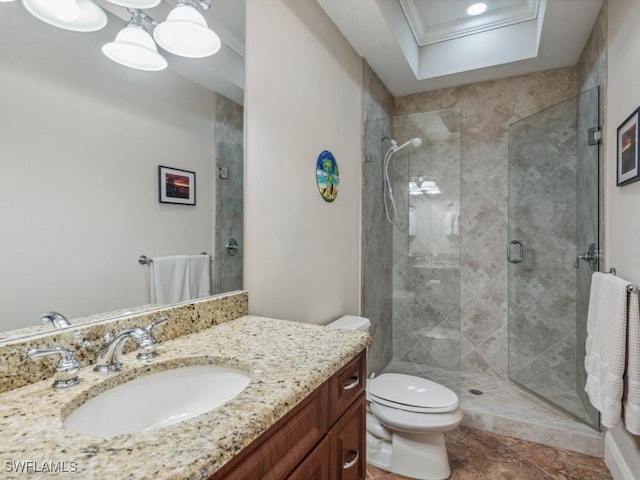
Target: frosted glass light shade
[[185, 33], [138, 4], [74, 15], [134, 48], [414, 189]]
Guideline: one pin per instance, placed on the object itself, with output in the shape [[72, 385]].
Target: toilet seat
[[406, 421], [411, 394]]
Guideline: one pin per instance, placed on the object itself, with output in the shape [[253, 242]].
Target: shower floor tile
[[507, 409], [478, 455]]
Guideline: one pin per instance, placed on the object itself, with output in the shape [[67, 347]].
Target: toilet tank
[[351, 322]]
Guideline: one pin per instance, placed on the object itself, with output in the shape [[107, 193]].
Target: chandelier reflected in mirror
[[423, 184], [184, 33]]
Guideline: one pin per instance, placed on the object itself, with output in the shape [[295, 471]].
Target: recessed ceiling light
[[477, 8]]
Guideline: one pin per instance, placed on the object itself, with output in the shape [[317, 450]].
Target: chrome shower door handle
[[520, 256], [591, 256]]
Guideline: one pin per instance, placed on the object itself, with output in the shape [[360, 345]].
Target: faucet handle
[[156, 323], [57, 319], [66, 369], [147, 346]]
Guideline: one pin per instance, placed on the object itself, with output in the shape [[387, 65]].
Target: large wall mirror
[[81, 139]]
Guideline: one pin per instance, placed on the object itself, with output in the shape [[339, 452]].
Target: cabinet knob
[[354, 381], [350, 463]]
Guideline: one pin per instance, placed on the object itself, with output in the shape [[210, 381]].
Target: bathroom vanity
[[323, 438], [302, 415]]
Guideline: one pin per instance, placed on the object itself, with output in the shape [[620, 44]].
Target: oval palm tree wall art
[[327, 176]]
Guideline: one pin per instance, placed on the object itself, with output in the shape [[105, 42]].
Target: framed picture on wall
[[628, 150], [177, 186]]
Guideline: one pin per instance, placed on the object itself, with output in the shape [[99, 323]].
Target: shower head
[[414, 142]]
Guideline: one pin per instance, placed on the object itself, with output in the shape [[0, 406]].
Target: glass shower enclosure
[[426, 247], [553, 249]]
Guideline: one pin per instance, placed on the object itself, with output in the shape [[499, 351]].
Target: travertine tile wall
[[229, 194], [376, 231], [487, 109]]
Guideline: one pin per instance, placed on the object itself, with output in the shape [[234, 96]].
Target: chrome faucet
[[109, 355], [66, 369], [57, 319]]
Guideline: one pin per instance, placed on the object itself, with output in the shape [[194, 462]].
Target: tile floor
[[480, 455]]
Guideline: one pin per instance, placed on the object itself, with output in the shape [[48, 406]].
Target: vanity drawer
[[277, 452], [346, 386], [315, 466], [348, 443]]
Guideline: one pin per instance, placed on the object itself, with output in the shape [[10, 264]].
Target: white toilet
[[406, 420]]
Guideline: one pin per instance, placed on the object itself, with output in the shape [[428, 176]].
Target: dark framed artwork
[[176, 186], [627, 157]]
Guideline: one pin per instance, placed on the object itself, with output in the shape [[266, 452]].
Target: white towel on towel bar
[[592, 312], [170, 279], [179, 278], [199, 276], [606, 346], [413, 221], [451, 226], [631, 400]]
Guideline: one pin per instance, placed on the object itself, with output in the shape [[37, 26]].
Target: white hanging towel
[[199, 276], [413, 224], [592, 312], [451, 224], [606, 346], [170, 279], [631, 400]]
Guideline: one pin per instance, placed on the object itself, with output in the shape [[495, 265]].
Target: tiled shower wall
[[376, 231], [229, 198], [487, 109]]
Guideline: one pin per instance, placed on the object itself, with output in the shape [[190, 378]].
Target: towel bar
[[631, 287], [144, 260]]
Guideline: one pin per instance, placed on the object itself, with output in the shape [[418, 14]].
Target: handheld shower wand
[[415, 143]]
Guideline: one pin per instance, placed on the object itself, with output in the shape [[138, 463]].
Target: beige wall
[[622, 228], [303, 96]]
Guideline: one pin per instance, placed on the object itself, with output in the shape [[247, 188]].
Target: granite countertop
[[286, 361]]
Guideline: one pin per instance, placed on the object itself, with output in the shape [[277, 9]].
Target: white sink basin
[[157, 400]]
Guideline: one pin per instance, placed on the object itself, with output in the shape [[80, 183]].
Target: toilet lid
[[411, 393]]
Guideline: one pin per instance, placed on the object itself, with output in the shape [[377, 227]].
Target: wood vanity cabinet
[[322, 438]]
